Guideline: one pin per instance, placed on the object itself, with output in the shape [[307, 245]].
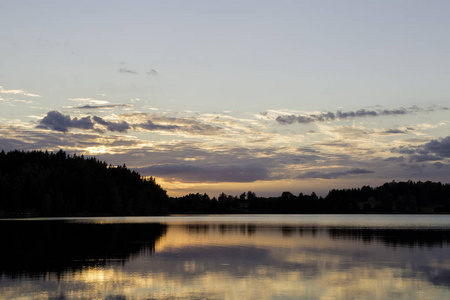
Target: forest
[[57, 184], [41, 183], [393, 197]]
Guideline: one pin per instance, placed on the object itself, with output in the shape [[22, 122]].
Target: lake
[[227, 257]]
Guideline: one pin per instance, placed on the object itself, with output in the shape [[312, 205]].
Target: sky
[[233, 96]]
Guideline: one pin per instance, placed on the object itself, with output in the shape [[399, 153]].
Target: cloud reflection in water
[[249, 261]]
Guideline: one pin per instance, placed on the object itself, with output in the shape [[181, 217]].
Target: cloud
[[431, 151], [395, 159], [413, 169], [89, 101], [395, 131], [149, 125], [438, 165], [111, 106], [212, 173], [124, 69], [342, 115], [171, 124], [59, 122], [424, 157], [113, 126], [17, 92], [333, 175], [440, 147]]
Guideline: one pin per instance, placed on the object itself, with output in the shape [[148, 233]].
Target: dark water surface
[[227, 257]]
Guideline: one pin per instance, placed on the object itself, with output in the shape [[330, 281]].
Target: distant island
[[51, 184]]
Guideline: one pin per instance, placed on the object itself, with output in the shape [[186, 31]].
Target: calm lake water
[[227, 257]]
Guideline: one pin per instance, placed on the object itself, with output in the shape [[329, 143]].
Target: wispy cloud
[[17, 92], [152, 72], [126, 70], [89, 101]]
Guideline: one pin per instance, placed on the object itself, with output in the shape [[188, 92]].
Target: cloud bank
[[249, 172], [432, 151], [55, 120], [110, 106], [112, 126], [333, 175], [342, 115], [59, 122]]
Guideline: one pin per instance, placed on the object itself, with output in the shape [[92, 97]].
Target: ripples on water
[[227, 257]]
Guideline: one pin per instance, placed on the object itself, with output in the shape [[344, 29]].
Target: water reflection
[[33, 248], [92, 259]]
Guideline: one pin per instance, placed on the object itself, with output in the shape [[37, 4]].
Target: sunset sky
[[232, 96]]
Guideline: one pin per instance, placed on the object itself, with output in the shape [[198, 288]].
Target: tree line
[[57, 184], [41, 183], [391, 197]]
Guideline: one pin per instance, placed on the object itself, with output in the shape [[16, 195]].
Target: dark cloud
[[307, 149], [342, 115], [424, 157], [103, 106], [359, 113], [113, 126], [395, 131], [152, 72], [149, 125], [395, 159], [215, 173], [334, 175], [359, 171], [438, 165], [11, 143], [59, 122], [413, 169], [440, 147], [399, 111], [179, 125], [302, 159], [410, 150], [431, 151]]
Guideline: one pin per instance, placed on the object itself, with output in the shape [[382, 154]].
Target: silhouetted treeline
[[392, 197], [57, 184]]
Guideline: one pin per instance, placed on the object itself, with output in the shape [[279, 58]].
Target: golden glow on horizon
[[273, 188]]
